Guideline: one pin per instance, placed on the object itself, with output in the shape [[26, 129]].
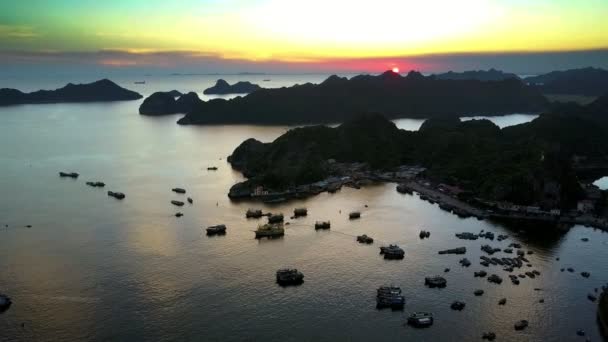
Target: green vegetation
[[526, 164]]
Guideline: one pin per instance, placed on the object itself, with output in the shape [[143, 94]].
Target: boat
[[289, 276], [521, 325], [270, 230], [392, 252], [140, 82], [389, 297], [435, 281], [96, 184], [177, 203], [117, 195], [5, 302], [277, 218], [190, 200], [253, 213], [212, 168], [300, 212], [365, 239], [68, 174], [220, 229], [322, 225], [354, 215], [179, 190], [420, 319]]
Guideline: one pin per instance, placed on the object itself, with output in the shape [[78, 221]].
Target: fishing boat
[[420, 319]]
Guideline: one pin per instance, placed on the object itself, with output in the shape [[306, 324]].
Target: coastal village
[[411, 179]]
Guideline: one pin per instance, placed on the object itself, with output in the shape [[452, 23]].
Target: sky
[[304, 35]]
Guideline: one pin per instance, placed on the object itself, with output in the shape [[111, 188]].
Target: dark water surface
[[94, 268]]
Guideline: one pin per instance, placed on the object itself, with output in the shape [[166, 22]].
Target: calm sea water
[[94, 268]]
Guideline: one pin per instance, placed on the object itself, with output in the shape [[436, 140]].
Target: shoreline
[[410, 185]]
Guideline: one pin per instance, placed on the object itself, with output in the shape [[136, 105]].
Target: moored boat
[[289, 276], [253, 213], [270, 230], [392, 252], [389, 297], [420, 319], [322, 225], [216, 230], [117, 195], [68, 174]]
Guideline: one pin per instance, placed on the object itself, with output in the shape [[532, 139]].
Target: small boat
[[277, 218], [392, 252], [270, 230], [253, 213], [300, 212], [365, 239], [117, 195], [435, 281], [354, 215], [179, 190], [177, 203], [521, 325], [289, 276], [68, 174], [322, 225], [190, 200], [266, 80], [420, 319], [5, 302], [212, 168], [220, 229], [140, 82], [96, 184], [389, 297]]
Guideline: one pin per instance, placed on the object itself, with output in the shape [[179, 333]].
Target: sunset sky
[[305, 34]]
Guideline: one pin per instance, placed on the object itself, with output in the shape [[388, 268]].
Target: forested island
[[222, 87], [535, 163], [98, 91], [339, 99], [165, 103], [586, 81]]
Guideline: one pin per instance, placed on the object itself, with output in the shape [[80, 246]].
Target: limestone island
[[539, 170], [165, 103], [339, 99], [222, 87], [98, 91]]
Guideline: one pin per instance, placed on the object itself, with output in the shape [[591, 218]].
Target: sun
[[396, 70]]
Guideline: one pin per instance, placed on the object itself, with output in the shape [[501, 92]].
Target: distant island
[[537, 164], [164, 103], [339, 99], [99, 91], [222, 87], [586, 81], [480, 75]]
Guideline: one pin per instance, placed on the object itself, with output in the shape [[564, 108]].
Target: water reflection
[[94, 268], [504, 120], [602, 183]]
